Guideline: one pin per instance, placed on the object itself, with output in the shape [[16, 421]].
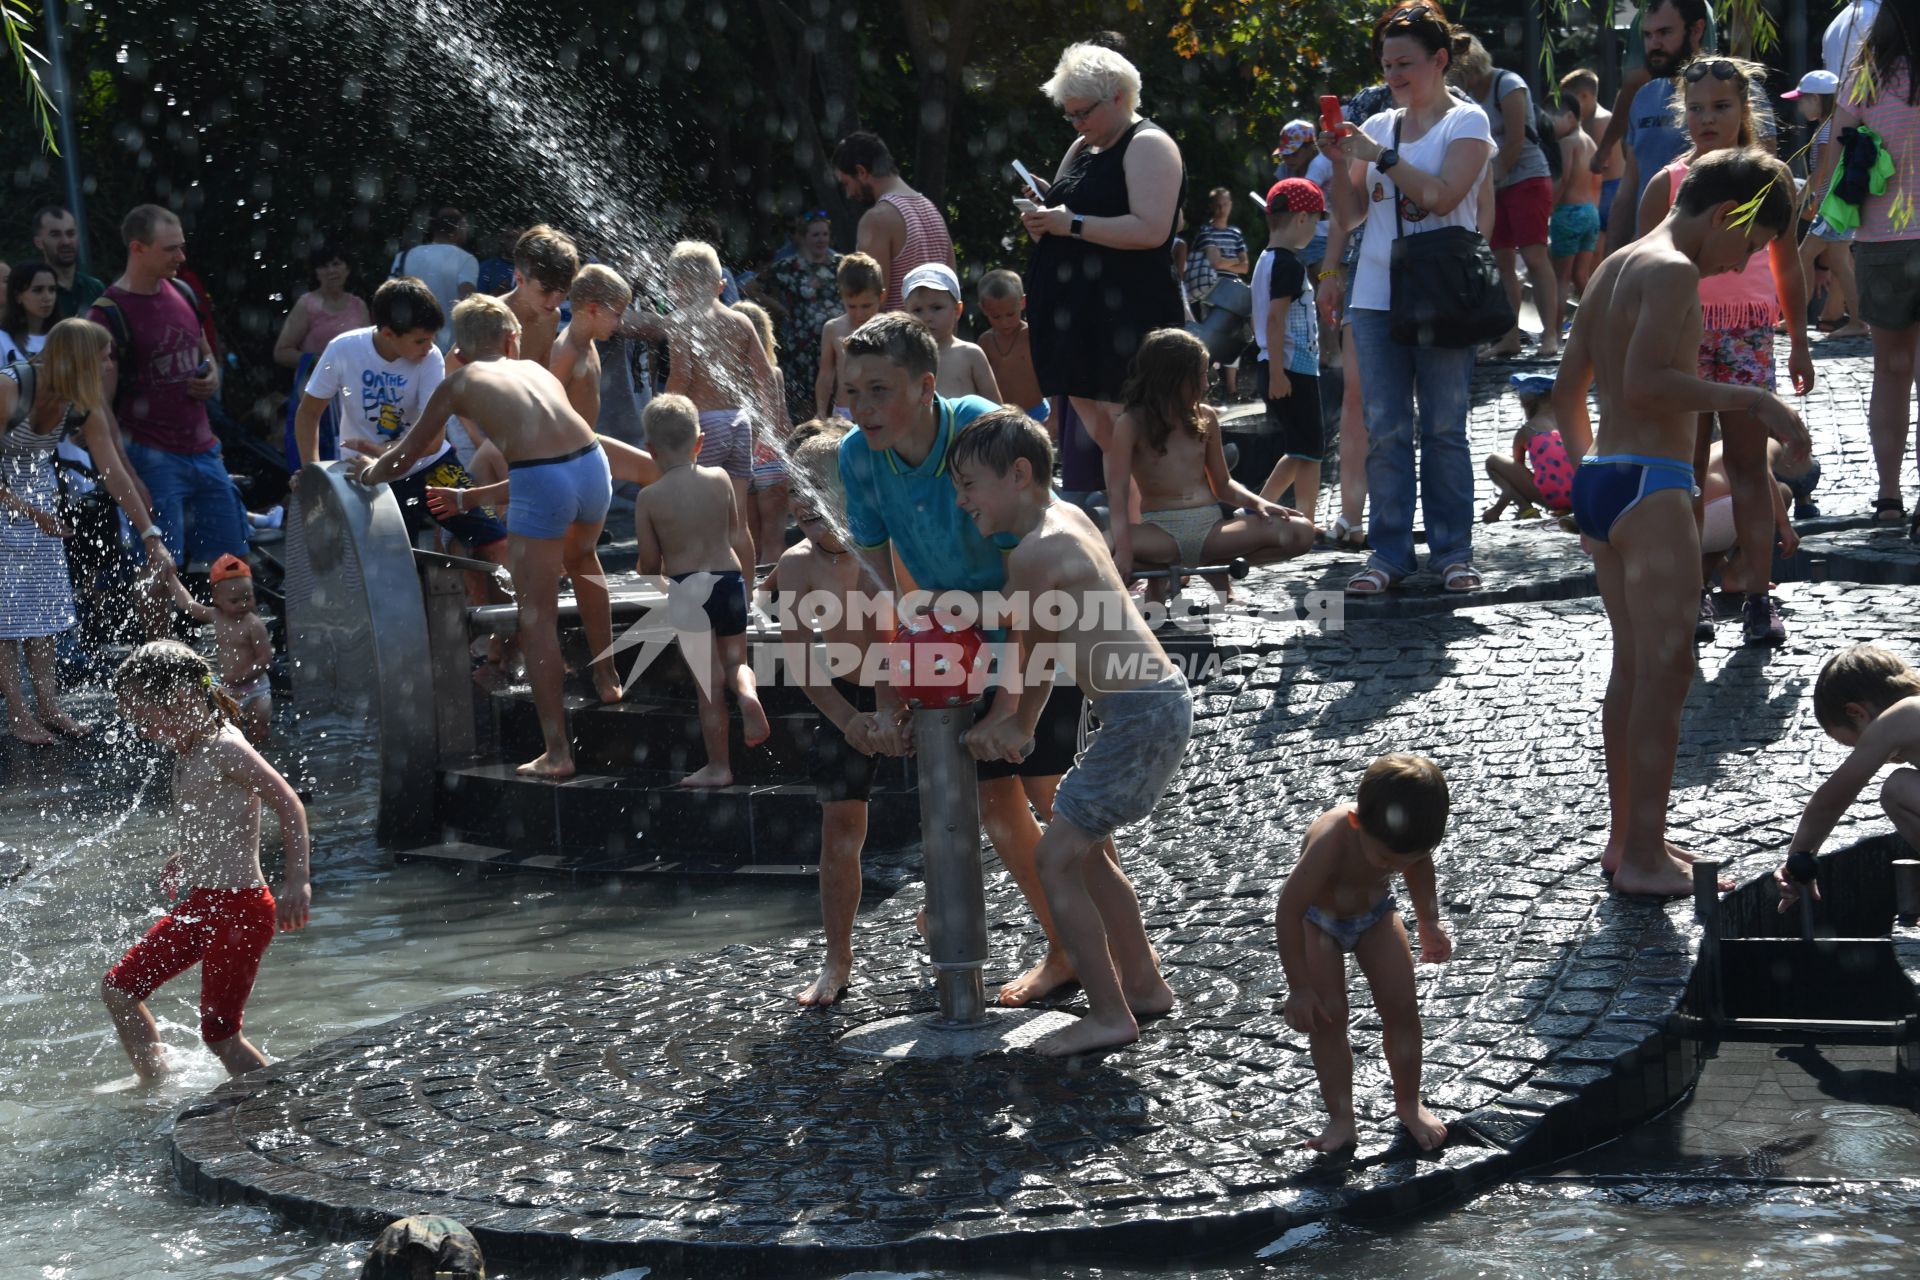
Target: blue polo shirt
[[915, 509]]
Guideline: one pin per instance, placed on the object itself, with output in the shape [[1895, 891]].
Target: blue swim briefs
[[1604, 489], [547, 495]]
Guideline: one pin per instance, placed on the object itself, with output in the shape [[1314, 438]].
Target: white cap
[[1815, 82], [931, 275]]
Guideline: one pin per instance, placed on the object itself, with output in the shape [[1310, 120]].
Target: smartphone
[[1025, 205], [1026, 177], [1330, 118], [202, 369]]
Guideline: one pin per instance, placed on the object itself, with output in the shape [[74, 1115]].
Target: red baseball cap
[[1296, 195]]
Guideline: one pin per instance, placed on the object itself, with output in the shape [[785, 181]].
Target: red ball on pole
[[936, 664]]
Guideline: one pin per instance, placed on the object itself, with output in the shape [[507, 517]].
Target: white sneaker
[[272, 519]]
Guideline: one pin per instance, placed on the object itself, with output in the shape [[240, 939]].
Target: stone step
[[479, 859]]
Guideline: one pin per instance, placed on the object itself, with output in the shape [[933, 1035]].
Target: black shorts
[[837, 771], [726, 602], [1296, 419], [1057, 739], [476, 528]]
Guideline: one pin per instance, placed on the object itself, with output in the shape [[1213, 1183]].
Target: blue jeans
[[192, 493], [1393, 373]]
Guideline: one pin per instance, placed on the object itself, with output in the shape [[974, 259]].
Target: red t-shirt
[[153, 403]]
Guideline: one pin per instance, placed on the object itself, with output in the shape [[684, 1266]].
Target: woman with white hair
[[1101, 275]]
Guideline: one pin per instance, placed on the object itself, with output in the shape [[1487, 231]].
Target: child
[[1169, 441], [1573, 234], [689, 526], [1285, 320], [600, 297], [932, 293], [862, 287], [841, 763], [1342, 886], [1540, 472], [561, 490], [1003, 301], [1001, 465], [1638, 335], [240, 638], [767, 486], [1738, 312], [1581, 87], [228, 917], [544, 264], [1868, 700], [1826, 246]]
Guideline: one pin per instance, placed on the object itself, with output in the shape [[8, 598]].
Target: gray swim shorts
[[1130, 758]]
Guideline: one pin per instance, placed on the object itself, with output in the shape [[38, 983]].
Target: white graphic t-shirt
[[1372, 279], [378, 399]]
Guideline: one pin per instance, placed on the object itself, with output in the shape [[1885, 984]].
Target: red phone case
[[1330, 120]]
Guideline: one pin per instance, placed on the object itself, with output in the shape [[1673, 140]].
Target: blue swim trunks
[[1574, 229], [1346, 933], [1606, 488], [549, 494]]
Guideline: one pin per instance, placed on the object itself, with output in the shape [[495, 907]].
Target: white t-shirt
[[1320, 172], [378, 399], [1372, 280], [10, 353], [1845, 33], [444, 267]]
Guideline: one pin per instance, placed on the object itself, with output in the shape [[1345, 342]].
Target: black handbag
[[1446, 286]]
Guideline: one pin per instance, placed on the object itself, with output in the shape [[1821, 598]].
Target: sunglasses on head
[[1408, 15], [1720, 67]]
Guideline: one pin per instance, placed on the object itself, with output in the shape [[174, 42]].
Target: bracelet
[[1328, 275], [460, 502], [151, 531]]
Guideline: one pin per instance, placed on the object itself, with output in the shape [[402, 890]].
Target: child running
[[1540, 472], [1638, 337], [600, 297], [1001, 464], [932, 292], [690, 528], [561, 489], [1343, 886], [240, 638], [863, 286], [227, 918], [1003, 301], [1168, 441], [1288, 334], [1868, 700]]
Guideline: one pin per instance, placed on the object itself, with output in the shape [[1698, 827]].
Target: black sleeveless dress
[[1089, 306]]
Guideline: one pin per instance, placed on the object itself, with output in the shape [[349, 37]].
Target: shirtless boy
[[544, 264], [1639, 338], [1573, 235], [1343, 887], [599, 298], [1003, 301], [691, 525], [560, 493], [932, 293], [245, 651], [862, 288], [1002, 467], [717, 362]]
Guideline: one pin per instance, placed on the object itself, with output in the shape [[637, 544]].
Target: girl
[[1737, 314], [1826, 247], [1167, 439], [228, 917], [32, 292], [767, 487], [1540, 472]]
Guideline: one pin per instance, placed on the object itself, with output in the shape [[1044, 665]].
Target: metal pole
[[950, 858], [62, 95]]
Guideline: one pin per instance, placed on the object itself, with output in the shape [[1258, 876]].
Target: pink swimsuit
[[1552, 469]]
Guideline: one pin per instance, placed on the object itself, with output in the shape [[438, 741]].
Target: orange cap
[[229, 566]]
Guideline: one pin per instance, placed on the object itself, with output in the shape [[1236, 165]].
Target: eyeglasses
[[1080, 116], [1407, 15], [1720, 67]]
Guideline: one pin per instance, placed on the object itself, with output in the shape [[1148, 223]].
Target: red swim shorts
[[227, 931], [1522, 213]]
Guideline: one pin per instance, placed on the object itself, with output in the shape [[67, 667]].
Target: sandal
[[1889, 510], [1459, 578], [1342, 534], [1371, 582]]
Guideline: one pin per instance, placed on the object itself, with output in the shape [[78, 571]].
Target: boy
[[600, 297], [240, 639], [1342, 886], [932, 292], [717, 362], [862, 288], [545, 262], [1639, 337], [841, 763], [1581, 87], [560, 491], [1573, 234], [690, 524], [1288, 333], [1003, 301], [1867, 699], [1002, 466]]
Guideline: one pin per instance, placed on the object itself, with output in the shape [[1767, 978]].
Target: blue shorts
[[195, 504], [725, 605], [547, 495], [1604, 489], [1574, 229], [1607, 190]]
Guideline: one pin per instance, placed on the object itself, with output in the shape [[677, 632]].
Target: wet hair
[[999, 439], [481, 325], [446, 218], [1865, 674], [13, 317], [1095, 73], [600, 284], [323, 253], [1422, 20], [762, 326], [860, 273], [1749, 81], [863, 150], [1000, 284], [694, 266], [143, 222], [899, 337], [1741, 176], [671, 422], [1164, 390], [1892, 42], [46, 211], [163, 670], [546, 257], [406, 305], [1580, 80], [70, 364], [813, 460], [1403, 803]]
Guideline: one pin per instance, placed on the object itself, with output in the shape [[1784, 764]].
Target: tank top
[[20, 437], [926, 241], [1744, 299], [1889, 216], [323, 326]]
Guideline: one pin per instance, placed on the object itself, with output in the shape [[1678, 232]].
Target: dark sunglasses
[[1408, 15], [818, 215], [1721, 68]]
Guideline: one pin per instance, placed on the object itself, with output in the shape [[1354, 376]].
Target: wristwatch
[[1079, 226], [1387, 159]]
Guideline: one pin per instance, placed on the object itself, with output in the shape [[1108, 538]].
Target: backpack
[[114, 320], [1540, 130]]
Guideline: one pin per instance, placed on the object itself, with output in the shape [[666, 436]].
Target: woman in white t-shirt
[[1433, 176], [28, 315]]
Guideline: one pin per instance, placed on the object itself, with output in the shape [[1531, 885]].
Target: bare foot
[[1546, 352], [607, 687], [1427, 1131], [1492, 514], [1851, 329], [1669, 877], [542, 766], [1051, 973], [711, 775], [1151, 1000], [753, 718], [28, 730], [1086, 1035], [920, 922], [826, 988], [1337, 1136]]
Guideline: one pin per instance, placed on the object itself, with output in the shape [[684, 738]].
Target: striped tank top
[[1894, 215], [926, 240]]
